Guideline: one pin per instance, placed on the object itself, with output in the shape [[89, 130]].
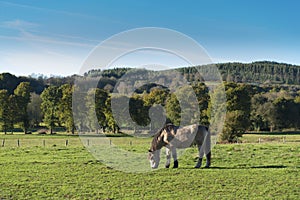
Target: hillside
[[257, 72], [263, 72]]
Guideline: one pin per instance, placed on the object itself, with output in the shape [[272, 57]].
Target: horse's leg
[[168, 153], [174, 155], [207, 150], [208, 159], [201, 154]]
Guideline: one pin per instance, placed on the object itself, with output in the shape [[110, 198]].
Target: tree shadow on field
[[251, 167], [241, 167], [269, 166]]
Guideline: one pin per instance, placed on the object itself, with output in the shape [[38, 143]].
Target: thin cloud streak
[[26, 29], [72, 37], [71, 14], [47, 10], [40, 39], [18, 24]]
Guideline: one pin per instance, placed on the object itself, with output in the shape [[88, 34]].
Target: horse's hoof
[[197, 167], [207, 166], [174, 167], [175, 164], [167, 166]]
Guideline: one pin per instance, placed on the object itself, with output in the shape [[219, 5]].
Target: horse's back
[[184, 136]]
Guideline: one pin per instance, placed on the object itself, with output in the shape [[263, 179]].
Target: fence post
[[88, 142], [44, 143], [258, 140], [3, 142], [110, 142], [67, 142], [18, 142], [283, 139]]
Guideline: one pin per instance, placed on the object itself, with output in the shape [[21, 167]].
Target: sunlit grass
[[55, 171]]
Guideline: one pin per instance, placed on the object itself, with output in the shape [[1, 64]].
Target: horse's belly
[[183, 145], [182, 142]]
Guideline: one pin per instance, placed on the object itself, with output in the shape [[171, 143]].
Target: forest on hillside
[[259, 73], [261, 96]]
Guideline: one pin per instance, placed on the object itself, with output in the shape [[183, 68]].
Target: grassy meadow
[[43, 167]]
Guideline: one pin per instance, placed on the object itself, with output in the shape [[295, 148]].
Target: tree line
[[249, 107], [262, 72]]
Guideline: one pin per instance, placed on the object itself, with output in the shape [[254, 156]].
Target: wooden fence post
[[18, 142], [67, 142], [44, 143], [3, 142]]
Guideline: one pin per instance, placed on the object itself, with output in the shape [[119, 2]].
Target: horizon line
[[35, 75]]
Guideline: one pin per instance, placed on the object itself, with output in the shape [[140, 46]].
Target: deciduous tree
[[50, 106], [34, 110], [65, 114], [22, 95], [4, 111]]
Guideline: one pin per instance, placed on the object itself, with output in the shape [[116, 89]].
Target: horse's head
[[154, 158], [160, 140]]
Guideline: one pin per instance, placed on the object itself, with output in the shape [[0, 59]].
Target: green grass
[[239, 171], [274, 138]]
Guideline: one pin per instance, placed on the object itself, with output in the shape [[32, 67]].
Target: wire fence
[[71, 142], [121, 141], [25, 142]]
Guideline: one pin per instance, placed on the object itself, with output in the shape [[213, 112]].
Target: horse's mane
[[155, 139], [157, 135]]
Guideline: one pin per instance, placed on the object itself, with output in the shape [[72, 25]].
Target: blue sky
[[55, 37]]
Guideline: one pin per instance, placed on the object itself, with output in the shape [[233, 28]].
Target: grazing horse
[[173, 137]]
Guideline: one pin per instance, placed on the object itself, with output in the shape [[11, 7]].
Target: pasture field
[[52, 170]]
